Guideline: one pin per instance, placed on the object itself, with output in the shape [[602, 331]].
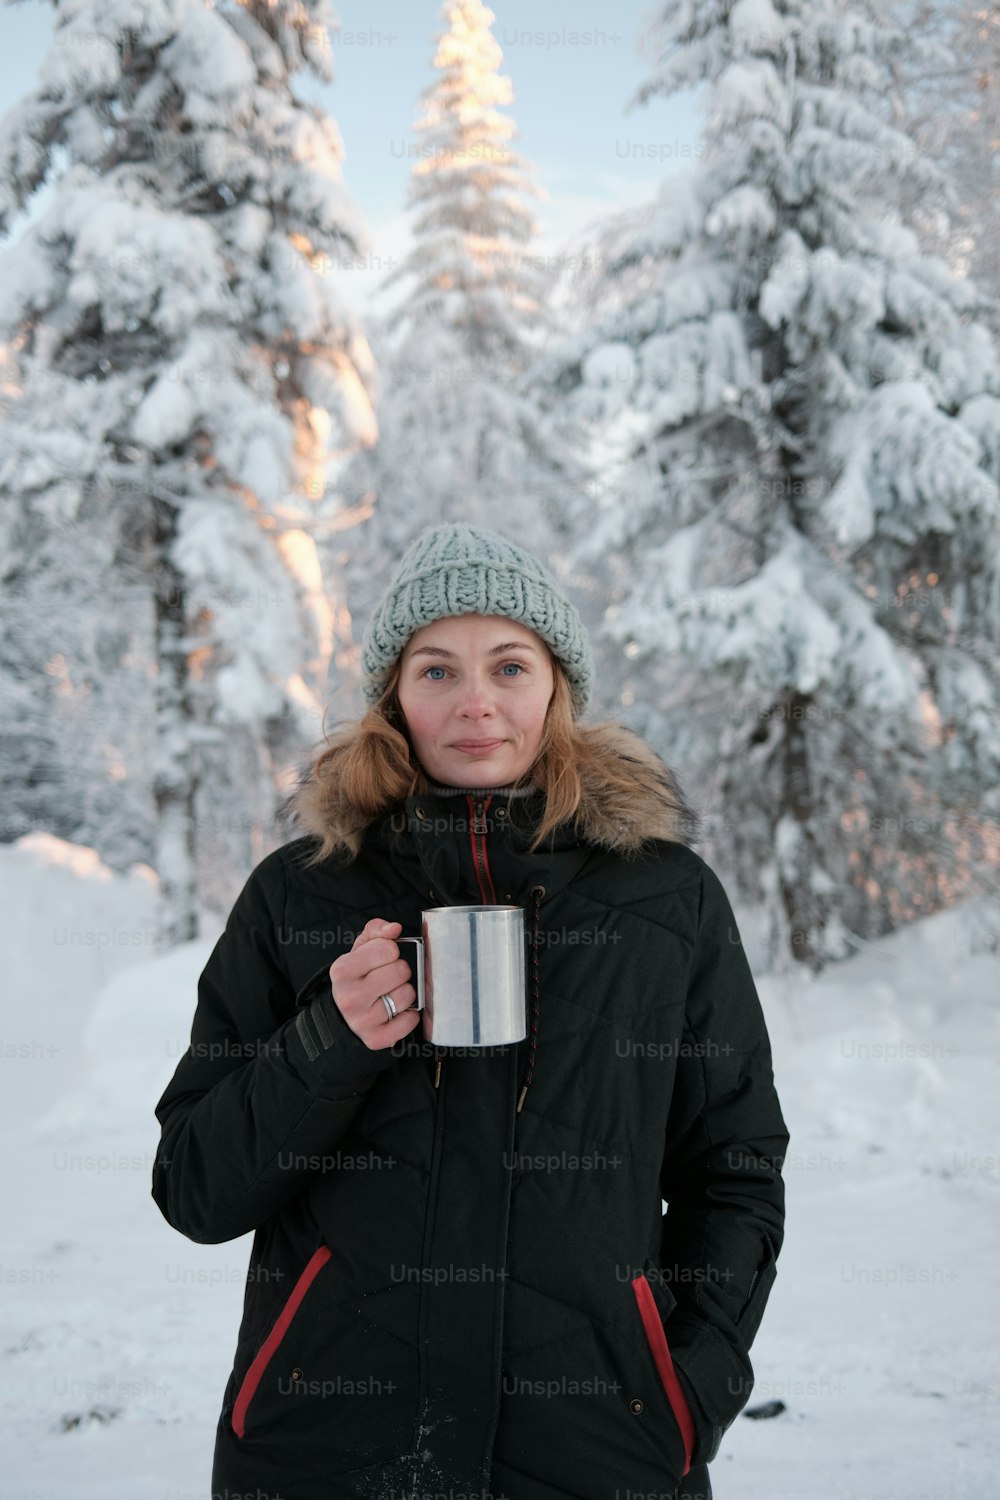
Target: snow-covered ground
[[880, 1336]]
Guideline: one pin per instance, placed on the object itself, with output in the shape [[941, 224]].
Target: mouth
[[474, 746]]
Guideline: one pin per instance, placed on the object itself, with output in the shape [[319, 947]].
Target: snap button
[[501, 812], [635, 1406], [296, 1373]]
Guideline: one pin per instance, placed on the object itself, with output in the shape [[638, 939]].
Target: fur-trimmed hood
[[651, 804], [628, 796]]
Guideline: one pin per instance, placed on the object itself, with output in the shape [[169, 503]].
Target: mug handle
[[420, 969]]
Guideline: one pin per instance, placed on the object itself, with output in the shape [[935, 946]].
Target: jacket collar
[[429, 842], [482, 791]]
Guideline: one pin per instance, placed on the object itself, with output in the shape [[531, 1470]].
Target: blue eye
[[518, 670]]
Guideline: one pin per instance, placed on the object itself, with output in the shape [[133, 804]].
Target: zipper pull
[[478, 817]]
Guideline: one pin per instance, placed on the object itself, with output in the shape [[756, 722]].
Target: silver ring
[[390, 1005]]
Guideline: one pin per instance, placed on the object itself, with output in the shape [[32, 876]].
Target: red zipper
[[660, 1349], [480, 860]]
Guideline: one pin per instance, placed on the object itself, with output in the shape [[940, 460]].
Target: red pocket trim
[[657, 1338], [252, 1378]]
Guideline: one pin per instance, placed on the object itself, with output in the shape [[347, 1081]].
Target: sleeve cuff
[[715, 1381], [327, 1055]]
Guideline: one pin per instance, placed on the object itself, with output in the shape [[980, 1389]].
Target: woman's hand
[[373, 968]]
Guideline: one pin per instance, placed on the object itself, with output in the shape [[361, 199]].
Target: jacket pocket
[[659, 1348], [268, 1349]]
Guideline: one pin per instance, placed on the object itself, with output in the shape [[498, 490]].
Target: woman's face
[[474, 690]]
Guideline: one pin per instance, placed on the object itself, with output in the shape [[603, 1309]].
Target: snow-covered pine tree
[[458, 441], [470, 271], [803, 425], [76, 696], [950, 105], [184, 370]]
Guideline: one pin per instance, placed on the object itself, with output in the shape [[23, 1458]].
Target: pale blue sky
[[574, 70]]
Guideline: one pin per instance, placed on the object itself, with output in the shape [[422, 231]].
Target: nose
[[476, 698]]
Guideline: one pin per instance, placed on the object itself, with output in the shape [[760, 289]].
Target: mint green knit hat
[[456, 570]]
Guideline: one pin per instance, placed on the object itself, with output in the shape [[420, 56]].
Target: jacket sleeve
[[251, 1101], [721, 1178]]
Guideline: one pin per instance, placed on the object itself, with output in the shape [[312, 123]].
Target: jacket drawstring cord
[[537, 891]]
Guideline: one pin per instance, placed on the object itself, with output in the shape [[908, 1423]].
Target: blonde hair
[[368, 768]]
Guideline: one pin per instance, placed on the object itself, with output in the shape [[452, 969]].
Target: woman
[[460, 1282]]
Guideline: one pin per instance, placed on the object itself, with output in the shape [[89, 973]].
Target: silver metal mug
[[470, 975]]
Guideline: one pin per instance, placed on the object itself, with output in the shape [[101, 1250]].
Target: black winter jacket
[[449, 1294]]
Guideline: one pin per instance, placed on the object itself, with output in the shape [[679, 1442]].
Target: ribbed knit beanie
[[456, 570]]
